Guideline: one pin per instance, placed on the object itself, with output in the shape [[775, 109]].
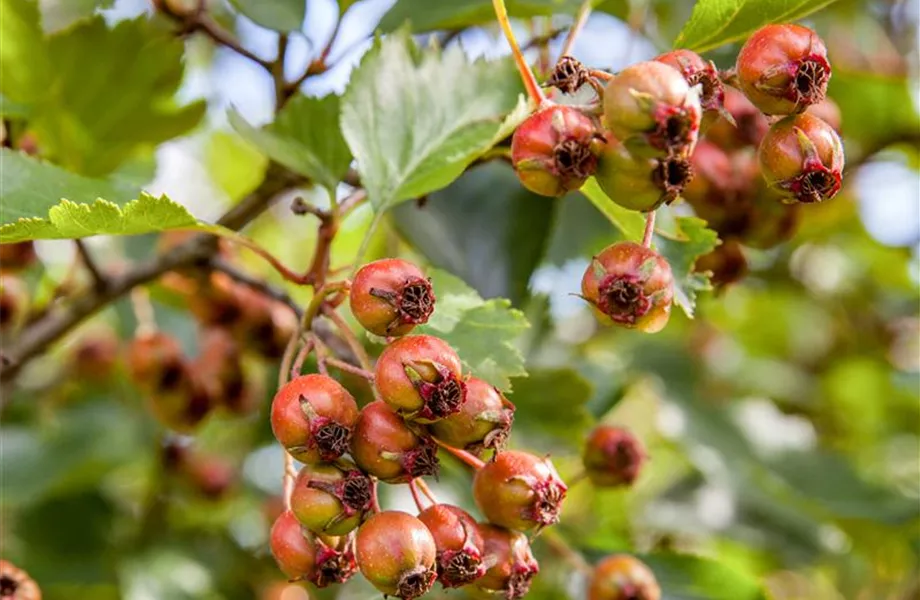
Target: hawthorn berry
[[389, 297], [95, 355], [519, 491], [15, 584], [622, 577], [17, 256], [783, 69], [397, 554], [482, 423], [383, 445], [613, 456], [697, 71], [512, 566], [650, 108], [220, 365], [330, 500], [726, 264], [419, 376], [210, 475], [641, 184], [802, 158], [460, 545], [302, 556], [746, 127], [555, 150], [313, 417], [714, 177], [630, 285]]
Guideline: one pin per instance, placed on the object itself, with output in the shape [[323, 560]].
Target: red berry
[[512, 565], [17, 256], [95, 355], [14, 302], [613, 456], [726, 264], [802, 158], [220, 364], [396, 553], [460, 546], [697, 71], [555, 150], [384, 446], [330, 500], [483, 422], [651, 109], [419, 376], [622, 577], [641, 184], [389, 297], [210, 475], [313, 417], [783, 69], [301, 556], [630, 285], [519, 491], [748, 128]]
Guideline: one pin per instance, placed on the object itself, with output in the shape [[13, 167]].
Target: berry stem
[[375, 500], [423, 485], [649, 229], [350, 338], [602, 75], [348, 368], [580, 19], [527, 76], [297, 367], [413, 488], [462, 455], [577, 478]]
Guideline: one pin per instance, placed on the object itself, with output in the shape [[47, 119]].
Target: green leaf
[[61, 14], [693, 240], [717, 22], [630, 222], [485, 228], [553, 402], [23, 55], [280, 15], [13, 110], [425, 15], [892, 115], [305, 137], [415, 119], [684, 577], [235, 165], [483, 332]]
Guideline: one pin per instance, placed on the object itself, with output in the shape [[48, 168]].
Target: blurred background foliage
[[782, 421]]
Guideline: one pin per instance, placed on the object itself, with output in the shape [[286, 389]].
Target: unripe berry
[[460, 546], [419, 376], [313, 417], [301, 556], [17, 256], [483, 422], [14, 302], [802, 158], [512, 565], [519, 491], [613, 456], [389, 297], [783, 69], [329, 500], [749, 127], [651, 109], [630, 285], [15, 584], [396, 553], [622, 577], [384, 446], [726, 264], [638, 183], [555, 150], [697, 71]]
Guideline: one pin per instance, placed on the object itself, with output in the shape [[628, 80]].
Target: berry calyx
[[459, 543], [568, 75], [638, 183], [389, 297], [555, 150], [312, 417], [622, 577], [303, 557], [482, 423], [650, 108], [519, 491], [613, 456], [396, 554], [419, 376], [802, 158], [512, 565], [384, 446], [630, 285], [330, 500], [783, 69], [697, 71]]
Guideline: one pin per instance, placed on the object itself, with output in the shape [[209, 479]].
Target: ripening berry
[[512, 565], [419, 376], [519, 491], [210, 475], [17, 256], [304, 557], [397, 553], [14, 302], [389, 297], [264, 325], [483, 422], [460, 545], [697, 71], [622, 577], [96, 355], [629, 285], [313, 417], [15, 584], [651, 109], [726, 264], [641, 184], [220, 364], [745, 129], [783, 69], [330, 500], [555, 150], [802, 158], [613, 456], [384, 446]]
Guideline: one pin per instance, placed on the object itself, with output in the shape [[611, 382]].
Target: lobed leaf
[[280, 15]]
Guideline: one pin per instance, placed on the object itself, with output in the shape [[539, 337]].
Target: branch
[[99, 280]]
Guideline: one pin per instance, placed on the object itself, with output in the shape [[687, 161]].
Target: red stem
[[463, 455], [413, 487], [530, 81], [649, 229], [349, 368]]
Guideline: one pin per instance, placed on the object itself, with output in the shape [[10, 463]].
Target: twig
[[206, 25], [99, 280], [649, 229], [580, 19], [277, 71]]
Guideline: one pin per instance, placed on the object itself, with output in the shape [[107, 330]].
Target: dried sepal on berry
[[387, 448], [303, 556], [396, 554], [331, 500], [460, 545], [568, 75], [389, 297], [483, 422]]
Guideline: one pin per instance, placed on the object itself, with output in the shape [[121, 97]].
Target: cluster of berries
[[641, 142], [334, 526]]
